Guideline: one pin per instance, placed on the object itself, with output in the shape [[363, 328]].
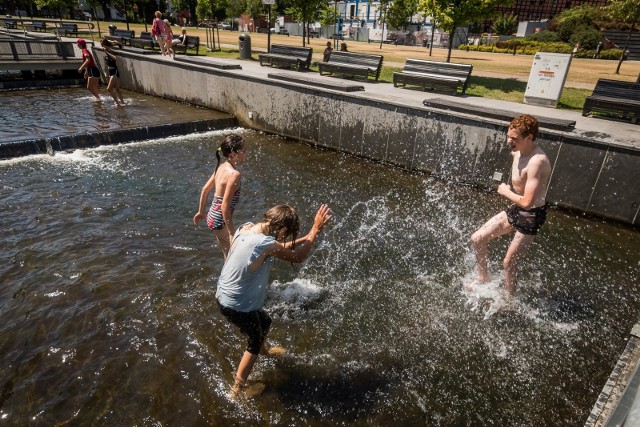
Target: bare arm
[[304, 244], [204, 195], [531, 187]]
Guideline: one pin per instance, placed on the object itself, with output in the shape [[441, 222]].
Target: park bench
[[614, 96], [67, 29], [37, 26], [193, 42], [10, 23], [123, 36], [352, 64], [145, 40], [286, 56], [434, 75]]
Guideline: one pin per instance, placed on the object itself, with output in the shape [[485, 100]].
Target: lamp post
[[335, 25]]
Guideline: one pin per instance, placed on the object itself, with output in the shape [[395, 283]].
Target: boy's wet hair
[[283, 217], [231, 144], [526, 125]]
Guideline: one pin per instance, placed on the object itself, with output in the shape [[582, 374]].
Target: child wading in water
[[242, 286], [113, 87], [226, 183]]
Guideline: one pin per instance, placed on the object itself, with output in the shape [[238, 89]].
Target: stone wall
[[588, 176]]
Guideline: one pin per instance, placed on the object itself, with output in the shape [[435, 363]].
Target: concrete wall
[[587, 176]]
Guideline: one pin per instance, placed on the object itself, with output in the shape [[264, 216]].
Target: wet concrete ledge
[[111, 137], [619, 403], [596, 166]]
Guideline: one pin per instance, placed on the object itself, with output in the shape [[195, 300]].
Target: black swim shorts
[[526, 221], [254, 324]]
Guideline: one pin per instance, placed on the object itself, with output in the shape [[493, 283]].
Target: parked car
[[224, 25]]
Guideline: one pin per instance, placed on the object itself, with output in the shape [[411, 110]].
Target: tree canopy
[[453, 14], [627, 11]]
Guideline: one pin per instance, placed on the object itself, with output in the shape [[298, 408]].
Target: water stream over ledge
[[108, 313]]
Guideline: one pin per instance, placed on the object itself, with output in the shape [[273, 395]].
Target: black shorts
[[254, 324], [526, 221], [93, 72], [114, 72]]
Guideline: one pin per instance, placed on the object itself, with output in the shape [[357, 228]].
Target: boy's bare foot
[[469, 287]]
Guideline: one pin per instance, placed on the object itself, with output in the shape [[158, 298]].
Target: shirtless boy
[[530, 174]]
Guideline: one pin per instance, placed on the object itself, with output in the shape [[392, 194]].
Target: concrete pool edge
[[619, 394], [28, 147]]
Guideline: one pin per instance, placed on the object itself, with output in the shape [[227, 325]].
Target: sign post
[[547, 78], [269, 2]]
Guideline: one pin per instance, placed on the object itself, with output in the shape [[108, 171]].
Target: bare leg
[[112, 90], [92, 85], [240, 388], [223, 241], [496, 226], [518, 247], [160, 41], [245, 367]]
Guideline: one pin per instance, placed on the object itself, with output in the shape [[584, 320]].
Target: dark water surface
[[30, 114], [108, 317]]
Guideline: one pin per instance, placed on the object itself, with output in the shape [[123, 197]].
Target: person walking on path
[[168, 38], [530, 174], [113, 74], [225, 183], [91, 71], [157, 31], [243, 281]]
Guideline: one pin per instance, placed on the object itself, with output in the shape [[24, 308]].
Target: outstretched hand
[[323, 216]]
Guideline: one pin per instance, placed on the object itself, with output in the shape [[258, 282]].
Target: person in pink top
[[168, 38], [157, 30]]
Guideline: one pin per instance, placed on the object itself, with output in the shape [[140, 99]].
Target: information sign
[[547, 77]]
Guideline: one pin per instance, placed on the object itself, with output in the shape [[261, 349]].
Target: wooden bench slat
[[193, 42], [434, 75], [281, 55], [351, 63], [614, 96]]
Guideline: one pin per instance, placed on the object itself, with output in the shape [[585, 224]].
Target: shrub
[[505, 25], [544, 36], [587, 37]]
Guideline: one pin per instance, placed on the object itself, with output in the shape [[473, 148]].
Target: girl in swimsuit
[[225, 181], [113, 87]]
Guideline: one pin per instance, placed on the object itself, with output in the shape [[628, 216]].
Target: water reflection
[[109, 316]]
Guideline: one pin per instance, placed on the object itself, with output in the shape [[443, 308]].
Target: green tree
[[57, 5], [328, 15], [627, 11], [573, 20], [453, 14], [400, 12], [505, 25], [306, 11]]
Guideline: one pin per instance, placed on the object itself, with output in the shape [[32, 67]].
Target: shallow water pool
[[108, 312]]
